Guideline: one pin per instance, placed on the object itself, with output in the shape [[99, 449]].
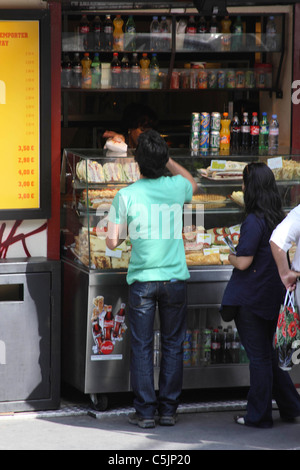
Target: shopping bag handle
[[289, 299]]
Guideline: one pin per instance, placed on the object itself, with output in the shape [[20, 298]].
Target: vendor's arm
[[176, 169], [287, 275], [240, 262], [114, 135]]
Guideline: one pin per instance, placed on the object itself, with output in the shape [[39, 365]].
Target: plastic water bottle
[[135, 71], [164, 34], [271, 32], [125, 72], [154, 71], [154, 34], [263, 141], [273, 133]]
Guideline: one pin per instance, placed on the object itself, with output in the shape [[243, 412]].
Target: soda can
[[195, 357], [195, 122], [202, 79], [187, 344], [221, 79], [204, 140], [187, 357], [204, 121], [212, 79], [194, 144], [215, 121], [175, 80], [230, 79], [240, 79], [156, 340], [195, 339], [249, 79], [214, 141]]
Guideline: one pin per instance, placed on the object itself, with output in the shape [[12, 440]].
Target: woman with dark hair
[[256, 289]]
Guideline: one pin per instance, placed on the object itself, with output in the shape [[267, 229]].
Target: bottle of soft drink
[[235, 347], [154, 34], [191, 30], [214, 27], [118, 320], [86, 71], [154, 71], [97, 30], [130, 31], [237, 34], [202, 25], [263, 141], [66, 72], [225, 132], [135, 71], [254, 132], [115, 71], [271, 34], [108, 33], [125, 72], [226, 36], [76, 71], [273, 133], [245, 132], [84, 30], [235, 135], [118, 34], [144, 72], [96, 71], [108, 323], [215, 347], [164, 34]]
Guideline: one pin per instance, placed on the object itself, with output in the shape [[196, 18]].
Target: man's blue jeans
[[170, 297]]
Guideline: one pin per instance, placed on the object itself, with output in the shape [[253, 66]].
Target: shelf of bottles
[[101, 57]]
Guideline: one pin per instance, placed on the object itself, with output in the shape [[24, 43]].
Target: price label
[[19, 115], [218, 165], [275, 162]]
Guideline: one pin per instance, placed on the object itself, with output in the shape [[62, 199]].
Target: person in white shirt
[[286, 233]]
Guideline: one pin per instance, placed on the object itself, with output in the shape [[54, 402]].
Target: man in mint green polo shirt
[[150, 211]]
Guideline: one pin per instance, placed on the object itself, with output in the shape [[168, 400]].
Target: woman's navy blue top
[[259, 287]]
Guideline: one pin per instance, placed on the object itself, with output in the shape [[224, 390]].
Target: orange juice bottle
[[86, 71], [225, 132], [145, 71], [118, 34]]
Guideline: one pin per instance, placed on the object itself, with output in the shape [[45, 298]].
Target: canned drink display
[[194, 78], [250, 79], [230, 79], [204, 121], [215, 121], [185, 80], [204, 140], [194, 144], [240, 79], [202, 79], [214, 141], [195, 122], [221, 79], [212, 79]]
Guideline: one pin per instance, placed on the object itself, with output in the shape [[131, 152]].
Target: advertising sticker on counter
[[108, 329]]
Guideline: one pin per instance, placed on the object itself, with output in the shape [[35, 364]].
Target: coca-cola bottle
[[97, 30], [108, 323], [235, 131], [135, 71], [119, 319], [254, 132], [97, 333], [84, 29], [108, 33], [202, 25], [125, 72], [245, 132]]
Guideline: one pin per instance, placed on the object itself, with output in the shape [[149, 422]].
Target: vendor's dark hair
[[261, 195], [152, 154]]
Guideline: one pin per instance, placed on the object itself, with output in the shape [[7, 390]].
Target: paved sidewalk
[[202, 425]]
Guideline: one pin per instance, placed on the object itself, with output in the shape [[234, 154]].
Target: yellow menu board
[[19, 115]]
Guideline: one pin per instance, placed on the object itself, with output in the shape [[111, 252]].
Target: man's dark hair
[[152, 154]]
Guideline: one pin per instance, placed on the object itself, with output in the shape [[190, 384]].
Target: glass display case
[[91, 178]]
